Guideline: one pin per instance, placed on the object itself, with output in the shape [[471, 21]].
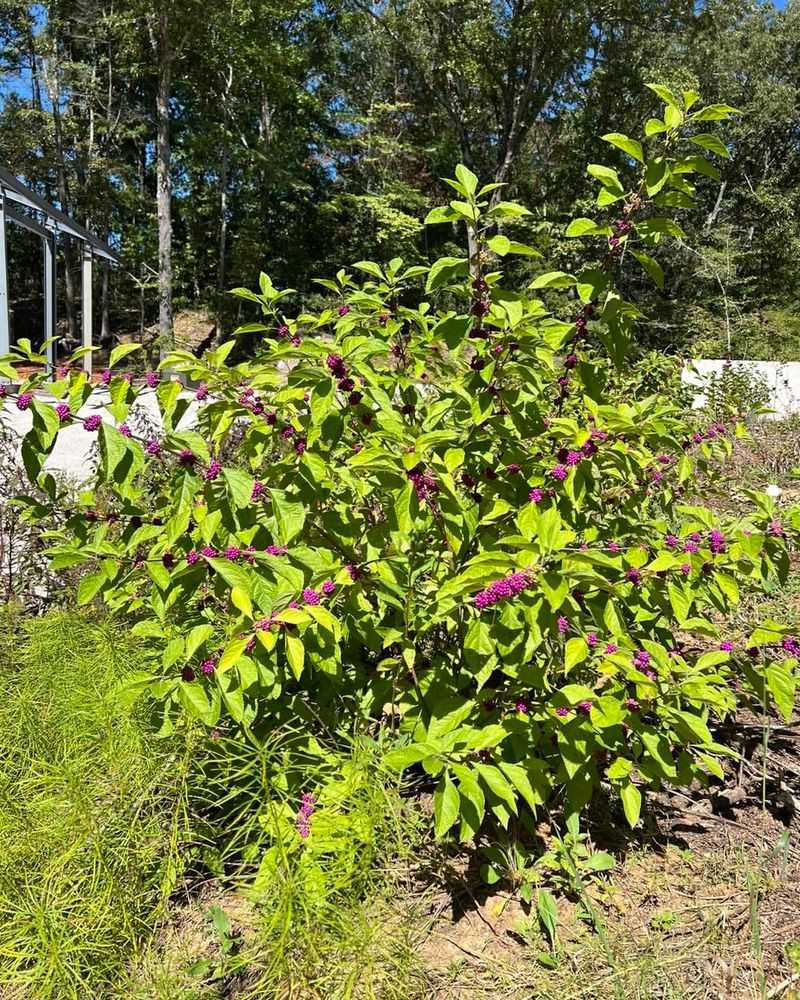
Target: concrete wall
[[783, 381]]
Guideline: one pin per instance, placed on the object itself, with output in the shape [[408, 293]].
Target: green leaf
[[712, 659], [587, 227], [654, 126], [465, 211], [712, 143], [621, 768], [607, 176], [690, 98], [549, 529], [499, 244], [447, 714], [446, 803], [522, 249], [240, 487], [696, 164], [508, 210], [369, 267], [478, 645], [240, 599], [631, 802], [295, 654], [290, 516], [133, 687], [453, 330], [656, 176], [233, 652], [547, 912], [437, 215], [193, 697], [113, 449], [122, 351], [651, 266], [322, 402], [498, 785], [782, 683], [629, 146], [403, 757], [233, 575], [680, 600], [575, 652], [533, 792], [446, 270], [467, 179], [666, 95], [714, 113], [195, 639], [554, 279], [90, 586], [673, 117], [473, 801]]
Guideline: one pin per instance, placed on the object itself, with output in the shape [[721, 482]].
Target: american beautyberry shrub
[[437, 525]]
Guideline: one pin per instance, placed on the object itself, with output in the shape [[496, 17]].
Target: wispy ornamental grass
[[117, 844], [91, 811]]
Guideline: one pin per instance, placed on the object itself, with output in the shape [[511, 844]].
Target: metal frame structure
[[53, 222]]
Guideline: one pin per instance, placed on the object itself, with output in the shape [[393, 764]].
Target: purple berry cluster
[[337, 367], [304, 814], [425, 486], [501, 590], [480, 304], [791, 645]]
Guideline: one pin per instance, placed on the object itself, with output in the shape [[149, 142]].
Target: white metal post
[[5, 336], [50, 295], [86, 293]]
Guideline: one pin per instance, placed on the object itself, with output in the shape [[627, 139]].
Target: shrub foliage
[[417, 511]]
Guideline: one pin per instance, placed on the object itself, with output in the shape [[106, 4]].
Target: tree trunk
[[223, 200], [164, 187]]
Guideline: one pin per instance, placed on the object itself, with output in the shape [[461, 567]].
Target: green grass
[[91, 809], [118, 844]]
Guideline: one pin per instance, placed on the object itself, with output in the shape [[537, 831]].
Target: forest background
[[212, 141]]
